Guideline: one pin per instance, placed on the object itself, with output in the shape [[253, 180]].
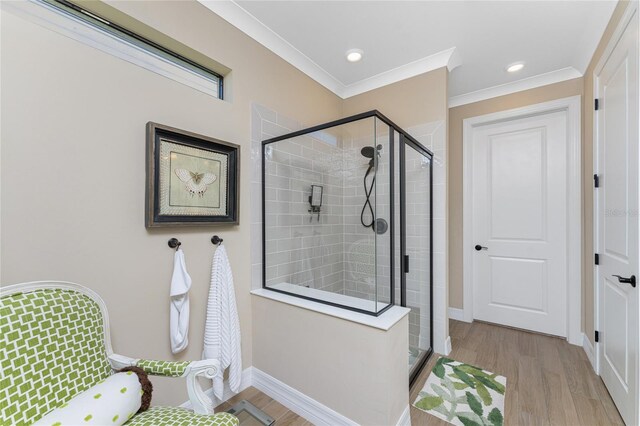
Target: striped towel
[[222, 327]]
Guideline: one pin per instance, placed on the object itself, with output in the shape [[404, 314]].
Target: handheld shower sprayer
[[379, 225], [370, 152]]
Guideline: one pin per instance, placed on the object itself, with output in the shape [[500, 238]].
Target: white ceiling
[[400, 39]]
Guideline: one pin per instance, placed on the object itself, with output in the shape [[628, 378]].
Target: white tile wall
[[362, 246], [303, 248], [433, 136], [417, 247], [300, 248]]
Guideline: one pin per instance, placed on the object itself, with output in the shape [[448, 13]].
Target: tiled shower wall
[[360, 242], [331, 251], [304, 248], [418, 248], [432, 136], [301, 248], [367, 255]]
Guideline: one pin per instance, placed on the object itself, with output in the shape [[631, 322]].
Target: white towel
[[222, 328], [179, 307]]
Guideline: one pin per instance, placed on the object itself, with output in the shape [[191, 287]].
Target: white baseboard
[[296, 401], [457, 314], [228, 393], [405, 418], [447, 346], [301, 404], [588, 349]]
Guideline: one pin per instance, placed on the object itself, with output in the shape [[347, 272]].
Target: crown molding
[[234, 14], [539, 80], [240, 18], [449, 58]]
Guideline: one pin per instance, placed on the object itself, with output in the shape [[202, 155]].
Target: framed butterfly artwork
[[191, 179]]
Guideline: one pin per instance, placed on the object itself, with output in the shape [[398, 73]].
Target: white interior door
[[519, 199], [617, 222]]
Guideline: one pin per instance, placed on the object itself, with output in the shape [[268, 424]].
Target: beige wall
[[417, 100], [358, 371], [580, 86], [456, 117], [77, 125], [73, 177], [587, 156]]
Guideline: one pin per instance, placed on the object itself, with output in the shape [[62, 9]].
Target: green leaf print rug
[[463, 394]]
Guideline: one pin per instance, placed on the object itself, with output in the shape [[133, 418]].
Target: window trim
[[90, 29]]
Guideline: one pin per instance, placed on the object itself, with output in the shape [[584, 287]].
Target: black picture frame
[[160, 181]]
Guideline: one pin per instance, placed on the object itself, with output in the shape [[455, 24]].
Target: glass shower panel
[[347, 220], [397, 224], [359, 212], [417, 268], [320, 214], [297, 238], [381, 226]]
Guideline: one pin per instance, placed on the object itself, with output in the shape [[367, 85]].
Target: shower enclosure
[[347, 220]]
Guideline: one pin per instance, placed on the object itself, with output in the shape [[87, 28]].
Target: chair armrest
[[207, 368], [164, 368]]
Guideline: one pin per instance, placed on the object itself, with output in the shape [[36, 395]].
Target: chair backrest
[[52, 346]]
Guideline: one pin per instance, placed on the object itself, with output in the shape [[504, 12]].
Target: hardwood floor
[[549, 381], [282, 415]]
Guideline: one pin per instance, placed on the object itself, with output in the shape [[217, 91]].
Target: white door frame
[[630, 13], [572, 105]]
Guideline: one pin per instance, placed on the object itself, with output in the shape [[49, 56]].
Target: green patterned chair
[[55, 343]]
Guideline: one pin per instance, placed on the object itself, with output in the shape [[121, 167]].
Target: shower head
[[369, 151]]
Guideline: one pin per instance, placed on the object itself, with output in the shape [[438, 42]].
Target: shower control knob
[[478, 247]]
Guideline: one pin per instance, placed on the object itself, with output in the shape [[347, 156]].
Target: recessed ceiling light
[[515, 67], [354, 55]]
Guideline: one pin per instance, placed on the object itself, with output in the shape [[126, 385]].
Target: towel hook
[[174, 243], [215, 240]]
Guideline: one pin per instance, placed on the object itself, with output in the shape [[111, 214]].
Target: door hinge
[[597, 337], [596, 259], [596, 181], [406, 263], [596, 104]]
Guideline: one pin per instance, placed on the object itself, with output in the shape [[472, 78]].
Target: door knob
[[631, 280], [478, 247]]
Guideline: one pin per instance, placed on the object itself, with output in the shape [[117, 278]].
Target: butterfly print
[[195, 183]]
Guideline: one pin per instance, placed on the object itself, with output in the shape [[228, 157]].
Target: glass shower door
[[416, 248]]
